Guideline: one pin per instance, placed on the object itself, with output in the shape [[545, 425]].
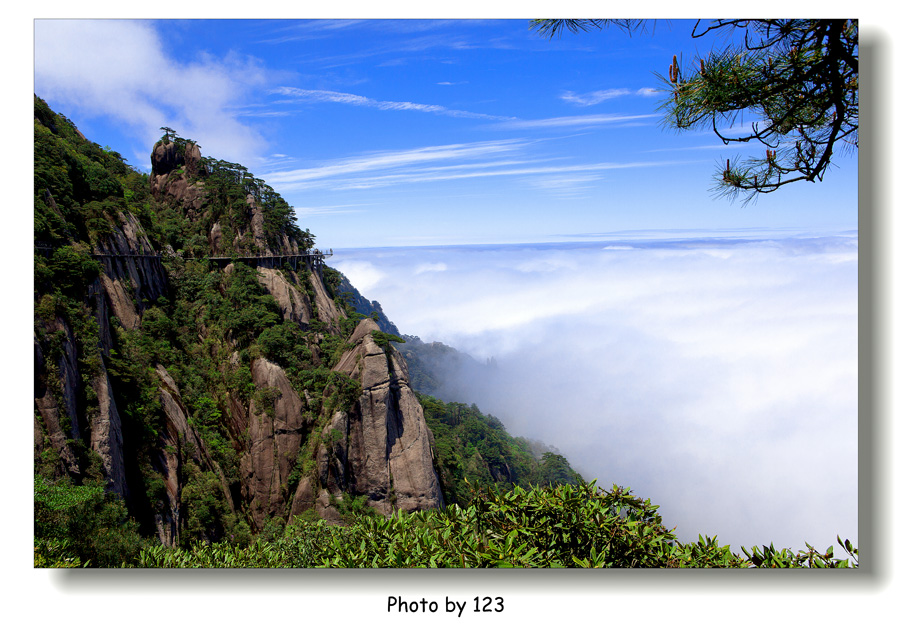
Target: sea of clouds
[[715, 376]]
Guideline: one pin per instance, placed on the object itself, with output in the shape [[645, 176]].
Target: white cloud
[[365, 275], [565, 185], [594, 97], [573, 121], [431, 267], [419, 165], [718, 379], [489, 171], [305, 30], [315, 211], [391, 160], [121, 69], [318, 95]]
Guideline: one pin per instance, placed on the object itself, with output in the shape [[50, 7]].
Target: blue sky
[[412, 132]]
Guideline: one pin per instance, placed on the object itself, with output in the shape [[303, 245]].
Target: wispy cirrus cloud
[[720, 146], [394, 160], [317, 211], [338, 97], [485, 159], [566, 184], [304, 30], [572, 121], [596, 97], [440, 174]]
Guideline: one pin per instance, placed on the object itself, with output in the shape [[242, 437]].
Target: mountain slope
[[185, 367]]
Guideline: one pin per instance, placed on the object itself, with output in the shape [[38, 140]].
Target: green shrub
[[73, 269], [563, 526], [81, 526], [384, 340], [204, 505]]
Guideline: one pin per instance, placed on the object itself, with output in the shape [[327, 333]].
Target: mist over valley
[[716, 375]]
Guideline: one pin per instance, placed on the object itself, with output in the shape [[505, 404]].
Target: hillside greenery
[[570, 526], [475, 448], [81, 194]]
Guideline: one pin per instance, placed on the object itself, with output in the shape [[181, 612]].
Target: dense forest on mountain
[[472, 448], [209, 393]]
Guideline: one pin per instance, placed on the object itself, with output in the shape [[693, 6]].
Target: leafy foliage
[[208, 316], [229, 184], [383, 340], [565, 526], [798, 80], [471, 447], [77, 526]]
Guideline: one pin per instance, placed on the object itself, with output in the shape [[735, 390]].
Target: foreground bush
[[565, 526], [81, 525]]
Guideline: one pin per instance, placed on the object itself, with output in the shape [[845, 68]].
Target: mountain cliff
[[190, 358], [201, 375]]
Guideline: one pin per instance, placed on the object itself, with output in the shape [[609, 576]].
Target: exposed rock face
[[106, 435], [289, 245], [382, 449], [70, 380], [58, 417], [215, 239], [129, 267], [178, 177], [48, 418], [253, 240], [172, 166], [295, 306], [276, 429], [328, 310], [379, 447], [53, 410], [257, 227], [180, 444], [169, 156]]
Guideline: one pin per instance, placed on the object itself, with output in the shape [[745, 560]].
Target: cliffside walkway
[[275, 261]]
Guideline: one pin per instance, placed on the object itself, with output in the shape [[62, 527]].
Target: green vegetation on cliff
[[563, 526], [474, 448], [194, 324]]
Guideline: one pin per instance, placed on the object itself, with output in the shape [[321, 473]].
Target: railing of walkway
[[272, 261]]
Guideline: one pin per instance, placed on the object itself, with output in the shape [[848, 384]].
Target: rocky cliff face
[[173, 165], [364, 306], [381, 447], [197, 419], [275, 435]]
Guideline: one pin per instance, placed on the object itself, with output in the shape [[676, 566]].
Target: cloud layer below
[[716, 377]]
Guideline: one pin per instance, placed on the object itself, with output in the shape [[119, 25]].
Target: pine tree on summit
[[799, 80], [168, 132]]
